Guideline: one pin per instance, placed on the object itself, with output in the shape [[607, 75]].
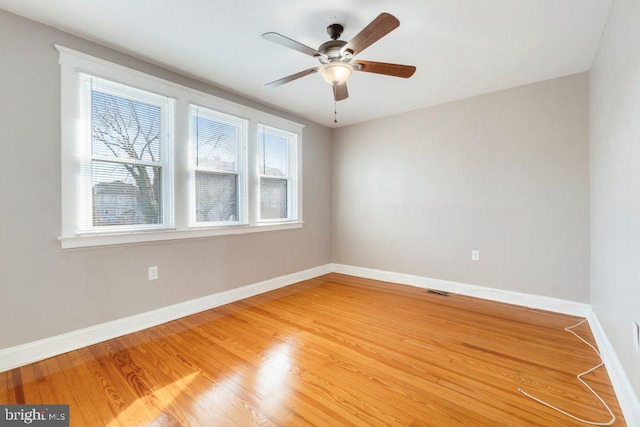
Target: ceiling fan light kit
[[335, 55], [336, 72]]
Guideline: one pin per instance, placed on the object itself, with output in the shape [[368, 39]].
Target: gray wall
[[45, 291], [615, 183], [505, 173]]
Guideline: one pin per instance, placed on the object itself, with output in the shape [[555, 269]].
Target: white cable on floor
[[579, 376]]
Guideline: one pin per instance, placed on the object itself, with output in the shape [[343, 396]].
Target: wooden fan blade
[[291, 44], [396, 70], [340, 92], [377, 29], [292, 77]]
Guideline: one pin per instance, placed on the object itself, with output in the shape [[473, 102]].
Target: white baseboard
[[517, 298], [24, 354], [627, 398]]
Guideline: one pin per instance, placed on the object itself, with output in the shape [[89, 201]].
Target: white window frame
[[84, 216], [73, 63], [292, 173]]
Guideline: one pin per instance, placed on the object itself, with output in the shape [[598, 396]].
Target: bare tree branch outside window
[[124, 133]]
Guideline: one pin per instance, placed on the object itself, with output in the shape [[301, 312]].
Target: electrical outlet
[[475, 255], [636, 335], [153, 272]]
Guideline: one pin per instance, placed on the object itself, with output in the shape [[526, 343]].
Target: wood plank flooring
[[335, 350]]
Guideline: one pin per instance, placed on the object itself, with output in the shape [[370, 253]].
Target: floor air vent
[[438, 292]]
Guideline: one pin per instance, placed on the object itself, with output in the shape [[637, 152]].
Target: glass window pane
[[124, 128], [216, 197], [272, 154], [215, 143], [125, 194], [273, 198]]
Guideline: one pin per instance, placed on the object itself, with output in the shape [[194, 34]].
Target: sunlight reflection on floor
[[163, 397], [275, 368], [273, 374]]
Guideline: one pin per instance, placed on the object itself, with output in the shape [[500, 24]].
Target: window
[[145, 159], [127, 161], [218, 166], [277, 169]]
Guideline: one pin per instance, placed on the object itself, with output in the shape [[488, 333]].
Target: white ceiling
[[461, 48]]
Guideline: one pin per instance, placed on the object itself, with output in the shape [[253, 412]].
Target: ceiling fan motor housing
[[332, 48]]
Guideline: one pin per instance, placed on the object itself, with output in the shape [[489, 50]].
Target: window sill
[[93, 240]]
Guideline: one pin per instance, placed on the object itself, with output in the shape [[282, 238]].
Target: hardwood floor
[[335, 350]]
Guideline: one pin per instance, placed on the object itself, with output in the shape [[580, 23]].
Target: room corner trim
[[24, 354], [517, 298], [627, 398]]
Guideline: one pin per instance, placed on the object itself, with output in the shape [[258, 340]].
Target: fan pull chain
[[335, 112]]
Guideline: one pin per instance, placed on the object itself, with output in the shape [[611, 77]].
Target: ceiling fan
[[336, 56]]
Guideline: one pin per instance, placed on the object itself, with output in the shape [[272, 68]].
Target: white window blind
[[278, 170], [219, 181], [126, 172]]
